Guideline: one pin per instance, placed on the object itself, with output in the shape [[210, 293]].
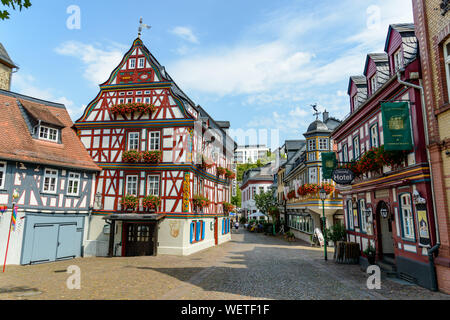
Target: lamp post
[[323, 196]]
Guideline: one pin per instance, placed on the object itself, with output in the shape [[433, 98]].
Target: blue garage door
[[49, 238]]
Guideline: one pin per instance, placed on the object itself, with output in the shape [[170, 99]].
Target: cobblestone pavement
[[251, 266]]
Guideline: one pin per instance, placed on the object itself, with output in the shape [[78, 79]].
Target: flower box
[[230, 174], [227, 207], [131, 156], [200, 202], [125, 108], [151, 203], [221, 171], [129, 202], [151, 156]]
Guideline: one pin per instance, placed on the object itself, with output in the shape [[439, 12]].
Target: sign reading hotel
[[343, 176], [396, 126]]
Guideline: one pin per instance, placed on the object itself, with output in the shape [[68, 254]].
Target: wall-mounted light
[[15, 195]]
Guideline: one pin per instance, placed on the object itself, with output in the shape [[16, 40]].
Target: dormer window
[[373, 84], [49, 134], [398, 60]]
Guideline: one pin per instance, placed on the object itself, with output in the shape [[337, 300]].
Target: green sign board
[[329, 163], [396, 126]]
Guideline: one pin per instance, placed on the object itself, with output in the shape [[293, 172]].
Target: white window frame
[[374, 136], [134, 138], [312, 145], [50, 174], [129, 100], [350, 215], [311, 156], [447, 66], [3, 166], [121, 93], [138, 100], [121, 101], [321, 141], [373, 84], [153, 139], [407, 214], [147, 100], [47, 133], [128, 182], [362, 214], [132, 64], [345, 153], [312, 175], [356, 155], [73, 179], [398, 59], [355, 101], [153, 185], [141, 65]]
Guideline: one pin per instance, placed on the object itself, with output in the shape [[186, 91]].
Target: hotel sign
[[343, 176], [396, 126]]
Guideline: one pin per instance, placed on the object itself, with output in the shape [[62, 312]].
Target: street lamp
[[323, 196]]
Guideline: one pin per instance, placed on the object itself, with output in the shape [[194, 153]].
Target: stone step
[[388, 259], [389, 268]]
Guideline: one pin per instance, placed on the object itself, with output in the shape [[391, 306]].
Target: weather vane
[[317, 113], [141, 26]]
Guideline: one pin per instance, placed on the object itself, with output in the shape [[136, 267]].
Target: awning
[[135, 217]]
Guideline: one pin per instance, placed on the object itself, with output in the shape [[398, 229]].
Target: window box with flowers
[[127, 108], [227, 207], [291, 194], [131, 156], [151, 203], [200, 202], [151, 156], [230, 174], [129, 202], [221, 171]]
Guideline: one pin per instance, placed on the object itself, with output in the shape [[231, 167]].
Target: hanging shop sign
[[329, 162], [343, 176], [396, 126]]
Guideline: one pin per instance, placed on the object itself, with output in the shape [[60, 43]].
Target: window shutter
[[203, 230], [192, 232]]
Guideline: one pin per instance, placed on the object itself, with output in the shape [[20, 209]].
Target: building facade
[[389, 207], [250, 153], [303, 180], [7, 67], [432, 21], [47, 174], [151, 140]]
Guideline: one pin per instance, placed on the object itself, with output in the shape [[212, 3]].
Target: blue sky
[[259, 64]]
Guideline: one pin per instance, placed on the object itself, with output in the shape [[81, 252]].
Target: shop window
[[407, 217]]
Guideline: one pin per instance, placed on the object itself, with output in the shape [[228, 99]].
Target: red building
[[389, 207]]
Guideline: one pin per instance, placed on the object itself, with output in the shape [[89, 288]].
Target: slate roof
[[4, 57], [17, 143]]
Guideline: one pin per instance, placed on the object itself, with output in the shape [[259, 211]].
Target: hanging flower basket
[[129, 202], [151, 203], [131, 156], [125, 108], [151, 156], [221, 171], [227, 207]]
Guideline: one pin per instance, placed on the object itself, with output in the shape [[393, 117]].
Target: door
[[67, 246], [139, 239], [384, 216], [44, 243]]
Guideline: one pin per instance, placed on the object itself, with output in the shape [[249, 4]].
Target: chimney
[[326, 116]]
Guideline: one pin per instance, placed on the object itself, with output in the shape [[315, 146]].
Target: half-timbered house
[[45, 166], [140, 111]]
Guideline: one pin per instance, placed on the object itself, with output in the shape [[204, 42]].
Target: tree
[[241, 168], [4, 14], [237, 200], [264, 201]]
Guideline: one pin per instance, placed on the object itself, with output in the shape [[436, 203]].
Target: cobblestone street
[[251, 266]]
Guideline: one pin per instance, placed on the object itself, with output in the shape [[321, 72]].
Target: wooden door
[[139, 239]]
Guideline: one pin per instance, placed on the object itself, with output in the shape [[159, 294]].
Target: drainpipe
[[425, 124]]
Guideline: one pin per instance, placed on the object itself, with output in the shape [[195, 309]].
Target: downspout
[[425, 124]]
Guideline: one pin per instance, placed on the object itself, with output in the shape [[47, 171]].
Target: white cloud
[[98, 62], [185, 33], [26, 84]]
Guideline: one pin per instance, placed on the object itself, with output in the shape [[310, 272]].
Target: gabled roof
[[380, 59], [405, 30], [4, 57], [18, 144], [359, 81]]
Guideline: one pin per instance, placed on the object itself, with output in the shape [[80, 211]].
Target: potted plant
[[151, 156], [151, 203], [370, 254], [289, 236], [131, 156], [129, 202]]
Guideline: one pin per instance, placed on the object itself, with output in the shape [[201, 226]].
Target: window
[[253, 192], [373, 84], [139, 93], [132, 185], [129, 100], [356, 150], [312, 144], [2, 174], [355, 101], [301, 223], [132, 63], [141, 62], [398, 60], [355, 214], [133, 141], [154, 140], [447, 67], [407, 217], [312, 175], [73, 184], [312, 156], [153, 185], [350, 214], [261, 190], [374, 142], [130, 93], [345, 153], [138, 100], [146, 92], [121, 93], [323, 144], [47, 133], [362, 214], [121, 101], [147, 100], [50, 180]]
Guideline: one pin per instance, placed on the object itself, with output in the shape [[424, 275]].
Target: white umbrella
[[257, 214]]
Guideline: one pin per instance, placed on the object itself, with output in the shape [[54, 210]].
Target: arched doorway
[[385, 239]]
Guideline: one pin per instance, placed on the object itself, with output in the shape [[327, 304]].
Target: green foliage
[[237, 200], [336, 233], [264, 201], [4, 14], [241, 168], [243, 220], [370, 251]]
